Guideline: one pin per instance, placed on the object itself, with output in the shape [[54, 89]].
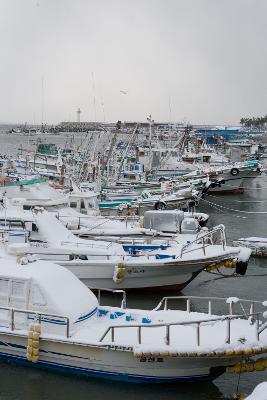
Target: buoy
[[225, 263], [119, 272], [250, 366], [33, 347]]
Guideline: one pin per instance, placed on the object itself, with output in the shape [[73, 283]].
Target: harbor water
[[243, 215]]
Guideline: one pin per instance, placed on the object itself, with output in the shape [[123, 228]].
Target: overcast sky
[[203, 61]]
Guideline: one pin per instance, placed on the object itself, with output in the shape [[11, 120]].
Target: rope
[[234, 210], [237, 395], [218, 209], [234, 275], [245, 187], [240, 201]]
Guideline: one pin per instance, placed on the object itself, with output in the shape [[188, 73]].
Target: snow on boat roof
[[57, 235], [37, 191], [52, 230], [65, 295]]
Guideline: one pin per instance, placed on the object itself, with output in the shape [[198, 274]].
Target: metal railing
[[254, 317], [124, 299], [204, 243], [4, 232], [73, 255], [164, 302], [167, 327], [37, 316]]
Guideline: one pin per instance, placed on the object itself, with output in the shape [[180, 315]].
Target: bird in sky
[[124, 91]]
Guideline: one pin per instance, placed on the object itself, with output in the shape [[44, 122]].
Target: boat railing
[[122, 292], [197, 323], [79, 218], [201, 239], [3, 233], [37, 316], [232, 302], [73, 255]]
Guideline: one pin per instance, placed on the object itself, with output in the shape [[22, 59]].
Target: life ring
[[234, 171], [160, 205]]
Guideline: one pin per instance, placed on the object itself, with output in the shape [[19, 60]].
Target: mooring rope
[[234, 210], [240, 201]]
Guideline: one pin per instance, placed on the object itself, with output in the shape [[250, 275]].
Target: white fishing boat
[[19, 223], [172, 264], [161, 223], [49, 319]]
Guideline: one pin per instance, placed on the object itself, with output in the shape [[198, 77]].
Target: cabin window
[[37, 298], [73, 204], [17, 289], [15, 224], [82, 204], [18, 295], [3, 287]]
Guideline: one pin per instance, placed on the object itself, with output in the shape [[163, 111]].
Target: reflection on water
[[43, 385], [21, 383]]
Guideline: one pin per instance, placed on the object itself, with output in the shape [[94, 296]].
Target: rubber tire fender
[[241, 267], [234, 171]]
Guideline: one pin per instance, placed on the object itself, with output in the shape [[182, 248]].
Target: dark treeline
[[254, 122]]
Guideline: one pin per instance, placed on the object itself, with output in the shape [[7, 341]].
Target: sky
[[192, 61]]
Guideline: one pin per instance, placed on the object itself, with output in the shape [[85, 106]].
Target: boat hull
[[111, 362], [140, 274], [234, 184]]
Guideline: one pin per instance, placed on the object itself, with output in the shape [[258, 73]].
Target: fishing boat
[[46, 161], [17, 222], [149, 265], [230, 178], [258, 245], [49, 319]]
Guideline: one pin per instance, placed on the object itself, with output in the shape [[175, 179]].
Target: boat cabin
[[83, 202], [37, 287]]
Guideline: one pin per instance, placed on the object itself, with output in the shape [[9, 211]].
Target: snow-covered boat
[[172, 264], [258, 245], [49, 319]]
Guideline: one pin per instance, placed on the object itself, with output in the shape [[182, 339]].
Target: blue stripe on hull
[[101, 374]]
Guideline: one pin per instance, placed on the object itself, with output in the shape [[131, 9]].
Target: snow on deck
[[183, 338]]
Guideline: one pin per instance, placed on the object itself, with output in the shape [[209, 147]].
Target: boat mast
[[132, 138]]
